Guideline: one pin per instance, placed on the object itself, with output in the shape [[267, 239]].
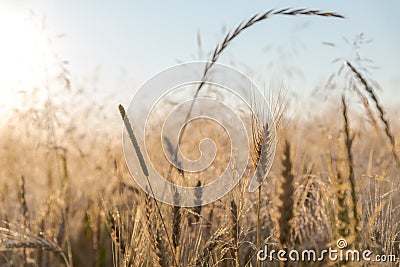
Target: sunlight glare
[[24, 55]]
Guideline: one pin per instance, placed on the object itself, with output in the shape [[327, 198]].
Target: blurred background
[[115, 47]]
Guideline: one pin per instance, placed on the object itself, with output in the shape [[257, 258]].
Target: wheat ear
[[286, 198], [139, 154]]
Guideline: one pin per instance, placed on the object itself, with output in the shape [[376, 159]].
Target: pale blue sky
[[129, 41]]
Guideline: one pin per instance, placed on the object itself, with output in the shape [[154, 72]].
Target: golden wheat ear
[[264, 150]]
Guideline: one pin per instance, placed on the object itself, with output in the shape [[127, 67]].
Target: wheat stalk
[[378, 106], [161, 251], [348, 145], [143, 166], [11, 239], [235, 230], [25, 210], [176, 220], [211, 244], [262, 144], [198, 193], [343, 211]]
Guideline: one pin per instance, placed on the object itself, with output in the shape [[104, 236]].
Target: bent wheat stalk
[[243, 26], [235, 33], [370, 91]]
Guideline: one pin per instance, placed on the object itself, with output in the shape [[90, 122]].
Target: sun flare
[[24, 56]]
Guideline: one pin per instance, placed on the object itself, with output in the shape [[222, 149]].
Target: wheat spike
[[286, 198]]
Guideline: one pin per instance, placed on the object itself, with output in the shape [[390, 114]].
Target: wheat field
[[68, 199]]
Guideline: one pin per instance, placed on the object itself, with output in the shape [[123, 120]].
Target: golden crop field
[[67, 197]]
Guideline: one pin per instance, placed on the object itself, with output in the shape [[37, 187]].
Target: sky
[[118, 45]]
